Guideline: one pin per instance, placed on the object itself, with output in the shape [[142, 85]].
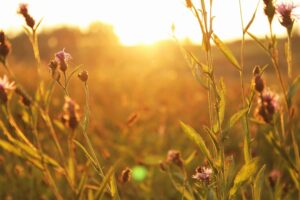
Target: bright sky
[[138, 21]]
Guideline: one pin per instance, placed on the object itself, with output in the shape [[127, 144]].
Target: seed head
[[269, 9], [83, 76]]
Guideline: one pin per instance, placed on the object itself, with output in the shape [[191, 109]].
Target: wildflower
[[4, 47], [268, 104], [83, 76], [54, 73], [269, 9], [287, 16], [71, 113], [188, 3], [23, 10], [174, 157], [274, 177], [259, 83], [125, 175], [5, 87], [203, 174], [62, 58]]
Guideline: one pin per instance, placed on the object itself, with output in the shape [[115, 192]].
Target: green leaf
[[236, 117], [246, 172], [193, 135], [293, 89], [258, 182], [86, 152], [221, 105], [226, 51], [252, 18], [258, 42]]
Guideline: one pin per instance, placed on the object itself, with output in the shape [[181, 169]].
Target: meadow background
[[138, 95]]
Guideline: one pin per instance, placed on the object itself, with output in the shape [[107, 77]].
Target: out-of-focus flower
[[286, 11], [125, 175], [268, 104], [274, 176], [188, 3], [23, 10], [174, 157], [63, 57], [5, 88], [83, 76], [5, 47], [70, 113], [203, 174]]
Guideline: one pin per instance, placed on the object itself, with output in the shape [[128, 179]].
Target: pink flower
[[203, 174], [5, 87], [286, 11], [63, 57]]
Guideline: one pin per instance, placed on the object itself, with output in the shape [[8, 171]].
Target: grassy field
[[137, 97]]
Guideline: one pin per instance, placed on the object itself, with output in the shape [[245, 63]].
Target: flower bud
[[125, 175], [259, 84], [83, 76]]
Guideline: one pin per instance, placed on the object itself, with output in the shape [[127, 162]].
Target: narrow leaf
[[193, 135], [236, 117], [226, 51], [293, 89], [258, 182], [246, 172], [86, 152], [252, 18]]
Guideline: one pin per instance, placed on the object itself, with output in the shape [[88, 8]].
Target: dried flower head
[[5, 88], [268, 105], [83, 76], [23, 10], [63, 58], [5, 47], [174, 157], [71, 113], [203, 174], [269, 9], [286, 11], [125, 175]]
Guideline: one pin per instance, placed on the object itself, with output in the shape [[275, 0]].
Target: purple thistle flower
[[63, 57], [286, 11], [5, 87], [203, 174]]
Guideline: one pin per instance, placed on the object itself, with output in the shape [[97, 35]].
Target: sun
[[138, 21]]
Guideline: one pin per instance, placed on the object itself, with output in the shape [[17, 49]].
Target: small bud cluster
[[274, 176], [5, 47], [23, 10], [267, 101], [60, 62], [70, 115]]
